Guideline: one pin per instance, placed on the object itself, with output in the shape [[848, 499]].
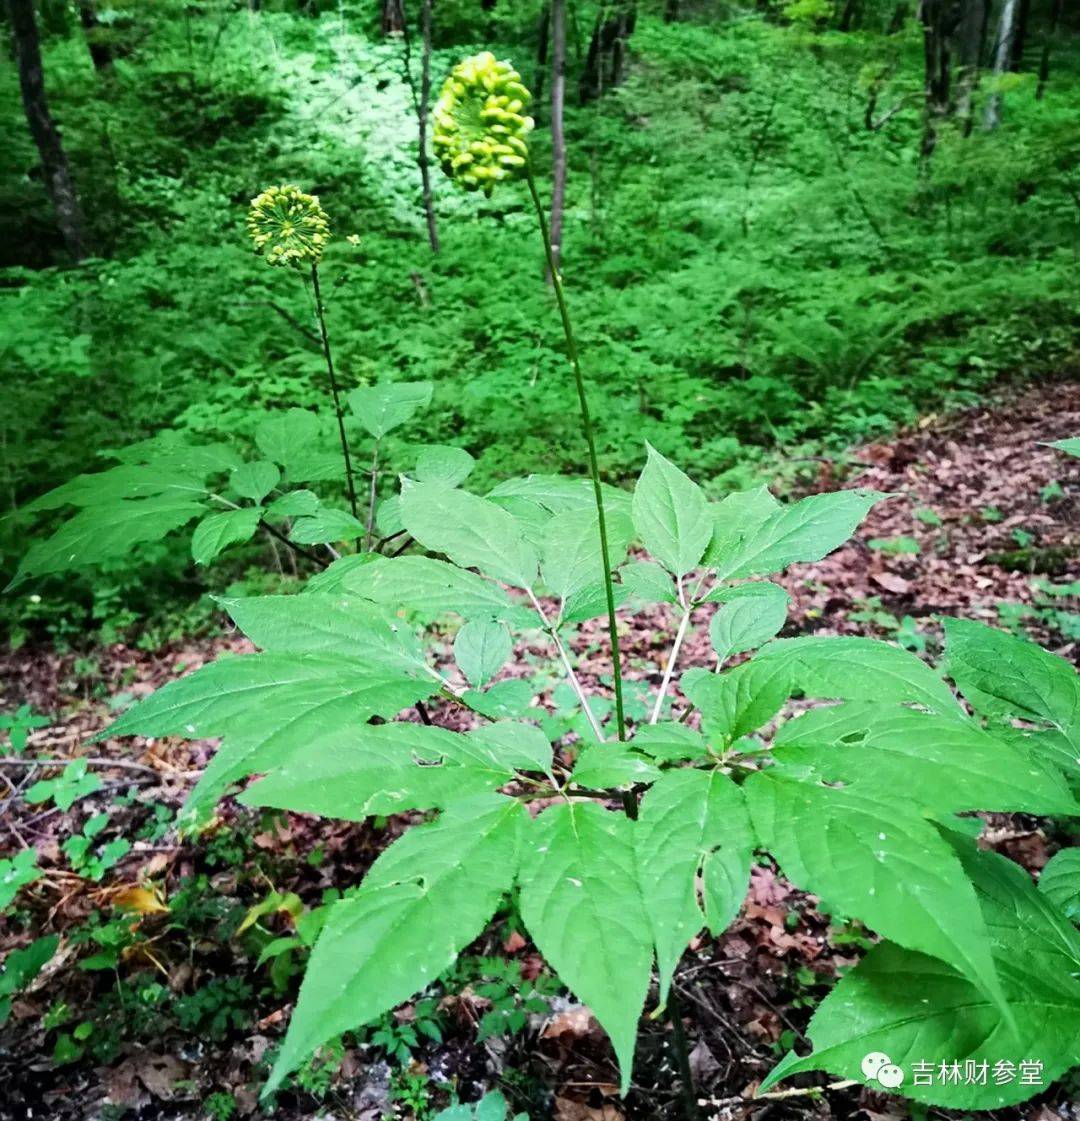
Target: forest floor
[[987, 526]]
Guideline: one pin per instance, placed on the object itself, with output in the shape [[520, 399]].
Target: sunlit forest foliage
[[763, 257]]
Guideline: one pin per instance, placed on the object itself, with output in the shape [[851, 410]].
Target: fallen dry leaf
[[141, 900], [891, 583], [577, 1022], [568, 1110], [158, 1074], [514, 943]]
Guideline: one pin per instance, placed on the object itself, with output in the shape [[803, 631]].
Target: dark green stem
[[594, 467], [682, 1057], [334, 389], [369, 534]]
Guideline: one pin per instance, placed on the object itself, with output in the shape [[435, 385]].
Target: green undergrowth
[[757, 277]]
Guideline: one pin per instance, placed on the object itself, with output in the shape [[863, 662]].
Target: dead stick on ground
[[775, 1095], [100, 761]]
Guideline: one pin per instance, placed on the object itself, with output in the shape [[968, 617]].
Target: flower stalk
[[590, 440], [328, 356], [289, 228]]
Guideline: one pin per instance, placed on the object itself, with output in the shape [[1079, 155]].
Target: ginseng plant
[[622, 841]]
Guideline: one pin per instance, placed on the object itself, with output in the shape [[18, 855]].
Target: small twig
[[286, 315], [386, 540], [873, 124], [564, 657], [95, 761], [273, 531], [449, 689], [369, 533], [687, 606], [776, 1095], [276, 533]]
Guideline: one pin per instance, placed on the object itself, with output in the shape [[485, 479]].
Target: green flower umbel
[[288, 226], [480, 123]]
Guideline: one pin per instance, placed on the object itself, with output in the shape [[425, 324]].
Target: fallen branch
[[777, 1095], [94, 761]]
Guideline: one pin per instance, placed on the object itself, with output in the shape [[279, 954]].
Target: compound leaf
[[1071, 445], [146, 480], [649, 582], [288, 436], [294, 504], [670, 742], [255, 480], [740, 700], [1004, 676], [324, 526], [442, 463], [348, 626], [607, 765], [264, 705], [942, 762], [513, 743], [105, 532], [736, 519], [857, 669], [1060, 882], [378, 770], [429, 587], [571, 558]]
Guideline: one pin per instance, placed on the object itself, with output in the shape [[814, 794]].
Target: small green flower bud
[[480, 126], [287, 226]]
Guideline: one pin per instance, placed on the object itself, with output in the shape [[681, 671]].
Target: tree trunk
[[671, 11], [1016, 55], [392, 21], [420, 100], [590, 82], [558, 134], [624, 28], [851, 8], [422, 121], [543, 37], [43, 128], [971, 42], [1002, 51], [606, 59], [937, 61], [100, 51], [1044, 61]]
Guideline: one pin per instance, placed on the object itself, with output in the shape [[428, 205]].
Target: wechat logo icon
[[878, 1067]]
